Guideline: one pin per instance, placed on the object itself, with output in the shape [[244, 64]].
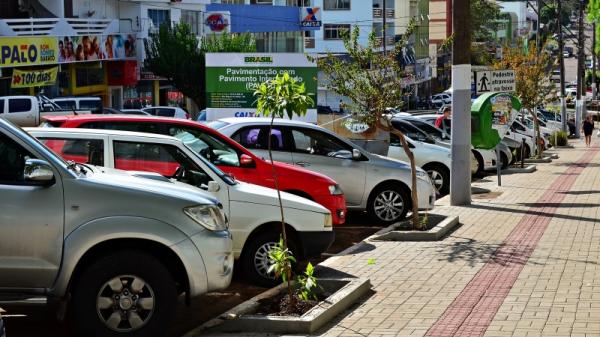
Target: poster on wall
[[231, 79], [34, 50], [96, 47]]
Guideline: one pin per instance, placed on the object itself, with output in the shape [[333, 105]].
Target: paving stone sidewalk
[[523, 263]]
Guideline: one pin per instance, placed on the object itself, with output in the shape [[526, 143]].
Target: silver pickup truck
[[29, 110], [117, 249]]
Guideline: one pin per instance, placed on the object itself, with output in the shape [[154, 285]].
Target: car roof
[[122, 118], [74, 97], [263, 121], [101, 132]]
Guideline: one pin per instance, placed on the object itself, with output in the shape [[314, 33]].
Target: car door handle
[[303, 164]]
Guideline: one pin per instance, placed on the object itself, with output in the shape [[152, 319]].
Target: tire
[[124, 269], [382, 193], [254, 261], [480, 166], [440, 176], [504, 160]]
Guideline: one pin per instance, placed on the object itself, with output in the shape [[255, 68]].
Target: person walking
[[588, 129], [443, 122]]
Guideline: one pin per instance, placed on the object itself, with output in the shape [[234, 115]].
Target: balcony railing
[[57, 26], [378, 13]]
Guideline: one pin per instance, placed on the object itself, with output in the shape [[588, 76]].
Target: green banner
[[233, 87]]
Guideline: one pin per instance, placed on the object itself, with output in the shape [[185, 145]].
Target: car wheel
[[388, 204], [255, 260], [440, 177], [480, 166], [514, 156], [128, 293]]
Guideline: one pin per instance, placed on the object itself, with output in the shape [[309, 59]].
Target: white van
[[91, 103]]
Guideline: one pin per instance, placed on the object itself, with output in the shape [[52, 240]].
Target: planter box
[[344, 293], [526, 169], [547, 159], [434, 234]]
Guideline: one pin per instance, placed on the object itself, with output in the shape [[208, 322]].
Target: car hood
[[128, 180], [387, 162], [250, 193]]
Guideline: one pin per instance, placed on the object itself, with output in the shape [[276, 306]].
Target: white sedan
[[253, 211]]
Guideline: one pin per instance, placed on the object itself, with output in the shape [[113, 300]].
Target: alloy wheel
[[437, 179], [125, 303], [262, 261], [388, 205]]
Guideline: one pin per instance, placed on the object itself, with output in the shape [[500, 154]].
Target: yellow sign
[[25, 51], [34, 78]]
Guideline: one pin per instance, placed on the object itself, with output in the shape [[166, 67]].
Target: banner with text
[[231, 79], [35, 50], [34, 78]]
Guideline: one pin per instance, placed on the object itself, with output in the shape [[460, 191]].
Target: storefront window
[[136, 97]]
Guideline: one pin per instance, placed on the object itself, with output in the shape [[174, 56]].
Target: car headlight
[[209, 216], [335, 189], [422, 175], [328, 220]]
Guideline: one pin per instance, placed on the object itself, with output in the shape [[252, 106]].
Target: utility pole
[[580, 103], [594, 89], [561, 45], [538, 39], [384, 29], [460, 172]]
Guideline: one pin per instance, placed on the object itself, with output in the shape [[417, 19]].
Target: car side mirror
[[356, 155], [38, 171], [213, 187], [246, 161]]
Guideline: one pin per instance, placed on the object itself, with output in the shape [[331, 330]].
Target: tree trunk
[[413, 173], [283, 232], [538, 138]]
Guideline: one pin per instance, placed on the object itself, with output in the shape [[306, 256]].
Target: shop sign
[[217, 22], [36, 50], [310, 18], [20, 51], [34, 78], [232, 78]]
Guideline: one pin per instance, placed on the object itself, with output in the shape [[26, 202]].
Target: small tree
[[373, 82], [279, 97], [533, 85], [177, 54]]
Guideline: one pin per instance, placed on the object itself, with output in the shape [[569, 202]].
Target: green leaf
[[370, 262]]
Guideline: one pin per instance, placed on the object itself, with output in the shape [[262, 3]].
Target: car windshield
[[215, 150], [217, 124], [226, 177]]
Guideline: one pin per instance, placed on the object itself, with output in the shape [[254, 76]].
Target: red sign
[[216, 22], [122, 73]]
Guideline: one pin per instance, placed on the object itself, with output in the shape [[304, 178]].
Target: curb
[[434, 234]]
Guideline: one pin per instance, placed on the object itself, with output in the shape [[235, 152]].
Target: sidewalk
[[523, 263]]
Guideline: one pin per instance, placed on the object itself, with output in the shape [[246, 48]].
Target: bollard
[[499, 166]]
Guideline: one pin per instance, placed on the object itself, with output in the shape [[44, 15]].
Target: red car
[[222, 151]]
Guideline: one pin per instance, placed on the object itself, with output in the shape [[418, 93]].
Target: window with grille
[[334, 32], [336, 4]]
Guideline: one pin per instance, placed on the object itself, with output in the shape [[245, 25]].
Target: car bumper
[[213, 251], [426, 194], [336, 204], [315, 243]]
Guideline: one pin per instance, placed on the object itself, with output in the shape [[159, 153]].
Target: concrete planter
[[526, 169], [242, 318], [443, 226], [547, 159]]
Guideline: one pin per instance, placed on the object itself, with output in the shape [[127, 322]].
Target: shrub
[[558, 138]]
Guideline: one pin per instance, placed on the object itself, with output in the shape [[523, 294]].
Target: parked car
[[117, 249], [440, 99], [134, 112], [485, 159], [91, 103], [377, 184], [434, 159], [226, 154], [201, 116], [29, 110], [252, 210], [167, 111]]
